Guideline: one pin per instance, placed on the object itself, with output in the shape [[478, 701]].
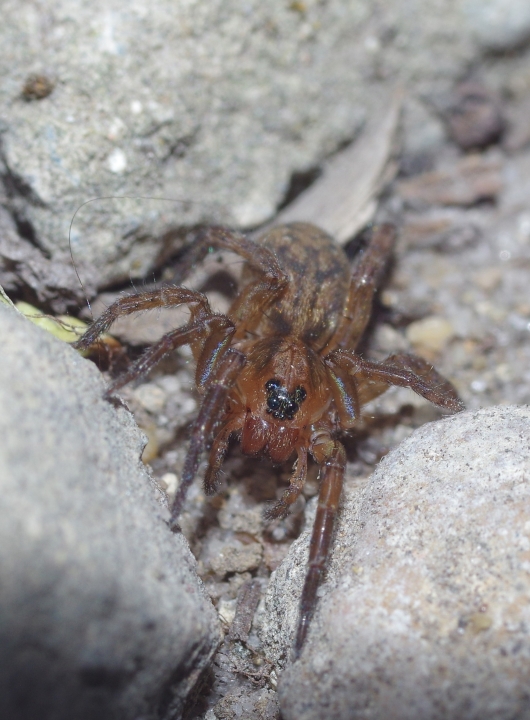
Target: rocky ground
[[455, 179], [456, 294]]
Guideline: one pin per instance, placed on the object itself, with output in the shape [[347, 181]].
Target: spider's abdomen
[[319, 274]]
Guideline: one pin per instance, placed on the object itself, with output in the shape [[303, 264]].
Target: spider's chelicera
[[282, 404], [280, 371]]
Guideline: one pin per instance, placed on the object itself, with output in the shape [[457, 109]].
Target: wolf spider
[[279, 371]]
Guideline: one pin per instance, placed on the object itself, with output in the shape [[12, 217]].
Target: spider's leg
[[218, 452], [291, 494], [373, 378], [212, 408], [218, 328], [345, 393], [252, 301], [208, 335], [442, 392], [169, 296], [328, 502], [365, 277]]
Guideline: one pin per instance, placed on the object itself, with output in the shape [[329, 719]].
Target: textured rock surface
[[425, 612], [101, 613], [212, 103], [218, 104]]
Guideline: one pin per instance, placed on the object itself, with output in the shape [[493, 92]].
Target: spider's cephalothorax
[[279, 370]]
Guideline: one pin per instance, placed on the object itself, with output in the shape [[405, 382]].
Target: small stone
[[499, 25], [237, 559], [152, 446], [117, 161], [223, 554], [389, 298], [37, 87], [150, 397], [241, 515], [226, 609], [464, 183], [475, 118], [389, 340], [488, 278], [432, 332], [169, 482]]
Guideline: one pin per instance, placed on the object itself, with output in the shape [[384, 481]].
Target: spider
[[279, 371]]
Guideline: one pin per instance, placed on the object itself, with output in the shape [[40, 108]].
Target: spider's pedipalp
[[297, 480]]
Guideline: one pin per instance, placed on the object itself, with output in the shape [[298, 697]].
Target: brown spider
[[280, 371]]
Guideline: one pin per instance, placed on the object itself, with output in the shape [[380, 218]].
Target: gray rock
[[500, 25], [425, 612], [101, 612], [214, 104]]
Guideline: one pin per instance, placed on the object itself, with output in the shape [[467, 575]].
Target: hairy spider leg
[[364, 281], [207, 334], [246, 312], [169, 296], [328, 501], [354, 382], [373, 378], [248, 308], [212, 407], [219, 330]]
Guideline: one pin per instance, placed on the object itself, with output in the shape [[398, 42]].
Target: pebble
[[241, 515], [150, 397], [488, 278], [499, 25], [475, 117], [230, 555], [433, 333]]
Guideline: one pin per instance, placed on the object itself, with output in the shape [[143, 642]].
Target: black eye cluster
[[282, 404]]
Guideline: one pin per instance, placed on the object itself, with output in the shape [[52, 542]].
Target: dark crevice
[[197, 701], [300, 181], [17, 194], [26, 231], [167, 701], [17, 188]]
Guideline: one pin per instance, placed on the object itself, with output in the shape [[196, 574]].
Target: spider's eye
[[282, 404]]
